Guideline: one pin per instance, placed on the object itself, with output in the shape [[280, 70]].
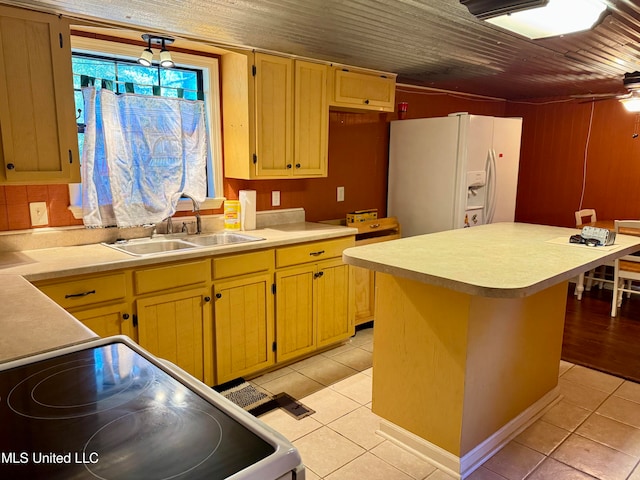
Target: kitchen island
[[468, 335]]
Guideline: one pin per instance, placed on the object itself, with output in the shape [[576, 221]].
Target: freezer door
[[506, 145], [423, 172]]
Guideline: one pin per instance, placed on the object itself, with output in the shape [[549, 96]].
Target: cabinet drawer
[[242, 264], [312, 252], [87, 291], [172, 276]]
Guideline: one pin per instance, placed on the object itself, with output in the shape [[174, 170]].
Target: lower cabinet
[[108, 320], [313, 308], [243, 312], [177, 327], [222, 317]]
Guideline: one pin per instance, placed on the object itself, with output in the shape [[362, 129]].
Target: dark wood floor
[[593, 339]]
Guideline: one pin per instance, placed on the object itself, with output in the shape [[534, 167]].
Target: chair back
[[630, 227], [586, 213]]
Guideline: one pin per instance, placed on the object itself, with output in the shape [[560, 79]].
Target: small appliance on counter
[[108, 409]]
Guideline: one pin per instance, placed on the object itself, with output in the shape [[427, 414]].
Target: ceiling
[[433, 43]]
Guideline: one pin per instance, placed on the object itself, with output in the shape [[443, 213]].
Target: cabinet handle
[[10, 166], [288, 165], [218, 295], [366, 101], [125, 316], [207, 299], [375, 225], [318, 275], [83, 294], [298, 165], [316, 254]]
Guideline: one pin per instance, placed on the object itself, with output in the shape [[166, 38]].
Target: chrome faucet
[[196, 210]]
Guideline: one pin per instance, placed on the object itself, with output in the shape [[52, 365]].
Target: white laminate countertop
[[31, 323], [50, 263], [503, 260]]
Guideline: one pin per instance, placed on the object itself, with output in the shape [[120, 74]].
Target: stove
[[108, 409]]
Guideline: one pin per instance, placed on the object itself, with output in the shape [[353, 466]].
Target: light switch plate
[[340, 194], [275, 198], [39, 216]]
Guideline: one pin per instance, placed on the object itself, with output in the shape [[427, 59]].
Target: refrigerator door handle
[[490, 203]]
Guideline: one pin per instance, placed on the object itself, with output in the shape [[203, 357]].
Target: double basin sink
[[152, 246]]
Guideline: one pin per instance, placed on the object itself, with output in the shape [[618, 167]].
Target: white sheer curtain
[[140, 154]]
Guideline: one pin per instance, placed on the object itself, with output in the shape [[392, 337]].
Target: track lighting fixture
[[146, 57]]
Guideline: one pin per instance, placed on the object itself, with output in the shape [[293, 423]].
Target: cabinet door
[[109, 320], [364, 294], [177, 327], [334, 312], [363, 90], [243, 326], [311, 120], [274, 115], [38, 133], [295, 326]]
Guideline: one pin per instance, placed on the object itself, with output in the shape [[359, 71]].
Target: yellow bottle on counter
[[232, 214]]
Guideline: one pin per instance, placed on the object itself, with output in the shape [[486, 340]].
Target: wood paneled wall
[[577, 155]]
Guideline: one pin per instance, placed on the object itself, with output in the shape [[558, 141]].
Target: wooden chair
[[599, 274], [627, 268], [588, 214]]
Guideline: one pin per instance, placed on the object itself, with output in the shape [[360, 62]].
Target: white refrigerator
[[453, 172]]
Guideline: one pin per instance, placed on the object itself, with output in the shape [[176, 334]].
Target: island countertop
[[503, 260]]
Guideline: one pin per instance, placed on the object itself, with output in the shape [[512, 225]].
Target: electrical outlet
[[38, 211], [340, 194], [275, 198]]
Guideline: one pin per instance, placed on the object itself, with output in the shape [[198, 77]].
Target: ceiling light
[[165, 56], [146, 57], [631, 103], [538, 18], [147, 54]]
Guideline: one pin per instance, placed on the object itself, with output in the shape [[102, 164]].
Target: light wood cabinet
[[354, 89], [99, 301], [244, 329], [313, 298], [177, 327], [174, 315], [222, 317], [108, 320], [275, 116], [38, 133], [371, 231], [295, 316], [243, 314]]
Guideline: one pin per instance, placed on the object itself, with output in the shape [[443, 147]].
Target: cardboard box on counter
[[362, 215]]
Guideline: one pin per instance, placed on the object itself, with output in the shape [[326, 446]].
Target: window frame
[[211, 88]]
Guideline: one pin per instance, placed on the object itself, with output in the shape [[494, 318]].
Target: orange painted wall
[[564, 139]]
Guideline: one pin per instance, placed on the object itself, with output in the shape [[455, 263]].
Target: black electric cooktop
[[108, 412]]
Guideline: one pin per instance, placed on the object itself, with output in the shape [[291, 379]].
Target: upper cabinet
[[38, 133], [354, 90], [275, 115]]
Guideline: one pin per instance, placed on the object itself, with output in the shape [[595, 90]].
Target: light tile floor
[[593, 432]]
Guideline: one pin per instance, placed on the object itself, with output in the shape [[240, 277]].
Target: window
[[194, 77]]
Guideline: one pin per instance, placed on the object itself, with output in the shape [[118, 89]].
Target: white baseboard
[[461, 467]]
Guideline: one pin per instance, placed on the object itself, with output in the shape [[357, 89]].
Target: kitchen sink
[[153, 246], [226, 238], [150, 246]]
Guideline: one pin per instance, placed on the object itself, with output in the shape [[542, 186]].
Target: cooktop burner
[[108, 412]]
